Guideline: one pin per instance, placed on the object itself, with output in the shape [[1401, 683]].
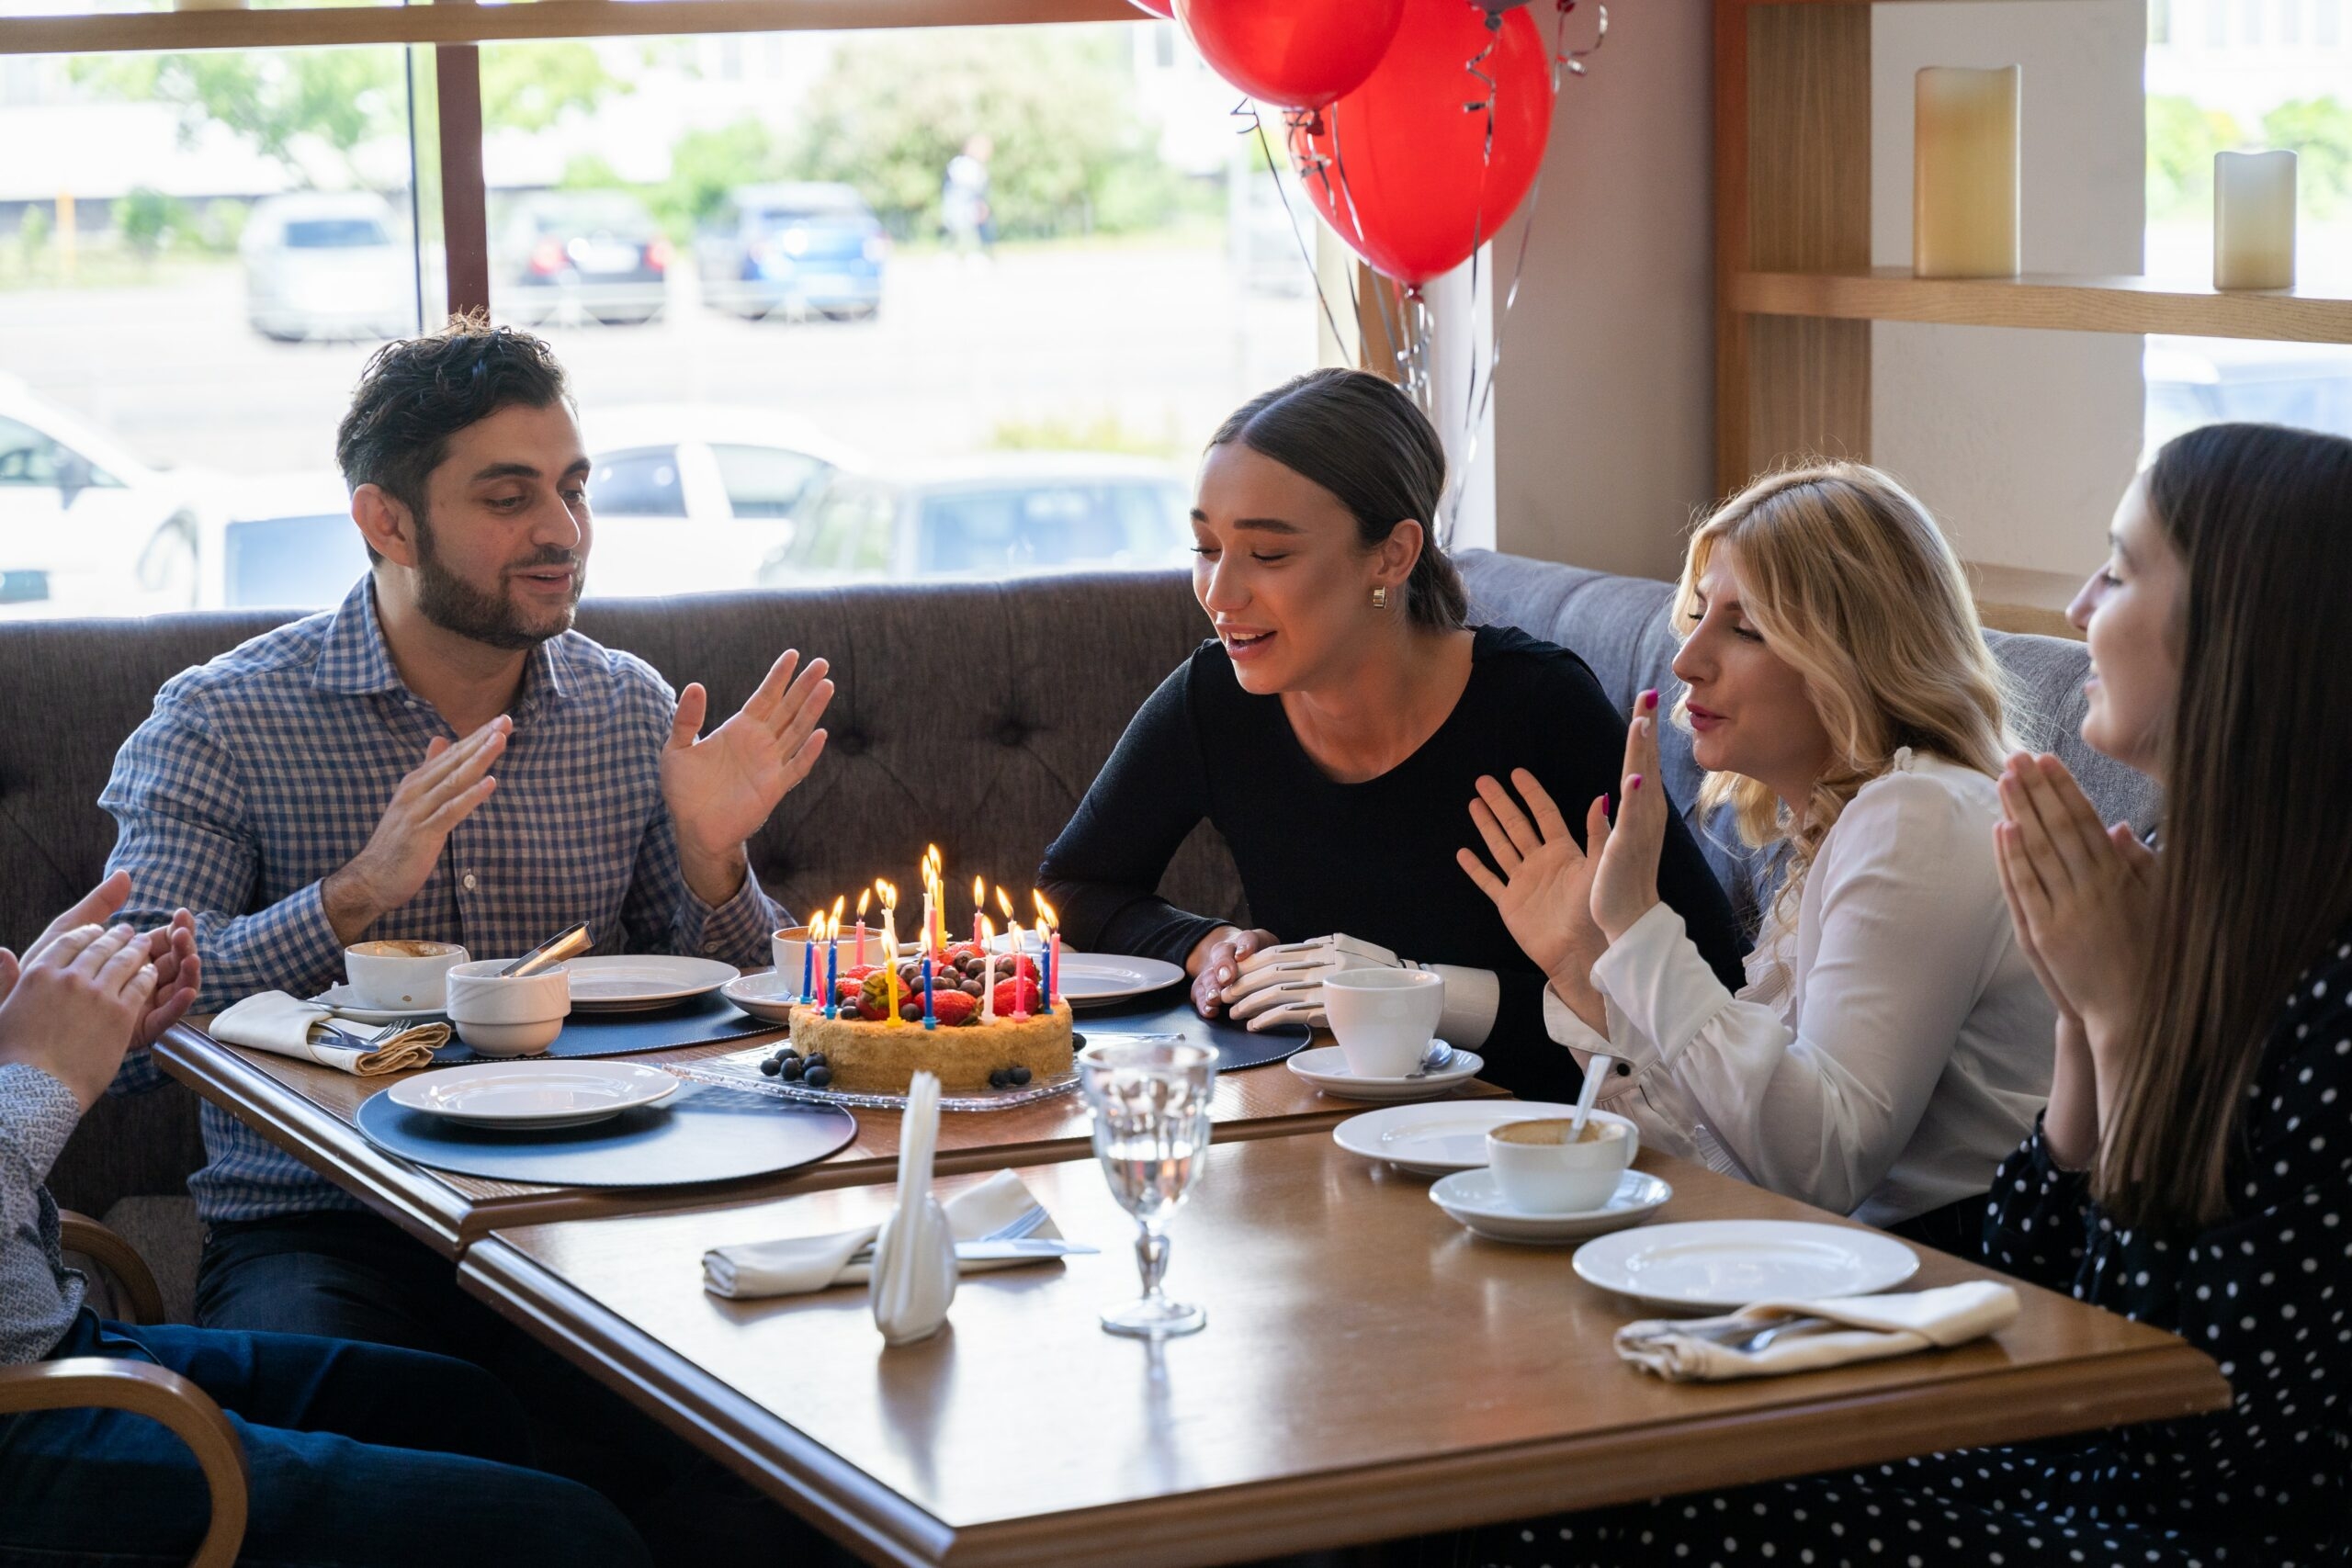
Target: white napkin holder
[[913, 1281]]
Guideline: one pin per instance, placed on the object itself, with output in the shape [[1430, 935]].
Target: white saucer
[[640, 982], [763, 995], [340, 996], [1326, 1067], [535, 1097], [1724, 1265], [1444, 1136], [1476, 1199]]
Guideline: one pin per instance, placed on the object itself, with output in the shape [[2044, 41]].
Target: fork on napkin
[[1846, 1328], [288, 1026], [998, 1209]]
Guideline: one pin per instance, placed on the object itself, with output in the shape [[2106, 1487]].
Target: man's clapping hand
[[439, 793]]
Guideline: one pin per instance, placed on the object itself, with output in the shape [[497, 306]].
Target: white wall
[[2018, 441], [1604, 437]]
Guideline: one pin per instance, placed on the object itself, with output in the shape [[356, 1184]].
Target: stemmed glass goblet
[[1150, 1096]]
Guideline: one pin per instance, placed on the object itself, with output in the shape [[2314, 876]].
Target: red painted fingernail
[[1608, 803], [1633, 783], [1649, 700]]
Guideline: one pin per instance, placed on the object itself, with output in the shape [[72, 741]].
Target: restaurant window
[[781, 260]]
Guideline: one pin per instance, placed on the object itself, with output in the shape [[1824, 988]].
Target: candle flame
[[864, 893], [839, 904], [1047, 915], [988, 930], [1005, 902], [979, 894]]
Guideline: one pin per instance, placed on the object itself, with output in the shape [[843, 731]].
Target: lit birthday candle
[[890, 948], [864, 893], [832, 960], [808, 955], [1049, 950], [987, 960], [979, 903], [930, 1019], [1020, 996]]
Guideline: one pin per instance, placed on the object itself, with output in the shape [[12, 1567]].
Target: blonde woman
[[1891, 1044]]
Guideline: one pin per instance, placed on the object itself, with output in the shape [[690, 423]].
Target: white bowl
[[509, 1039], [401, 981]]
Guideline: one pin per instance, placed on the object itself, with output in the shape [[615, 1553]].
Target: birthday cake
[[864, 1050]]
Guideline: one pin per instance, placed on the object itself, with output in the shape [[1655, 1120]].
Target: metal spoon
[[554, 951], [1596, 1068]]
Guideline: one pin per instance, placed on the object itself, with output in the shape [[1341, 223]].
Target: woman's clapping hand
[[2082, 893], [1625, 881]]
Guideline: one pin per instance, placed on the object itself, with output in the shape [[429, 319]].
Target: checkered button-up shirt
[[262, 773]]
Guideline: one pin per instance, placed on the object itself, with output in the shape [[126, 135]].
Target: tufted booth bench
[[972, 715]]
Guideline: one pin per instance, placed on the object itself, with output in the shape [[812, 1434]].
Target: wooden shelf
[[2048, 301], [2021, 599], [464, 22]]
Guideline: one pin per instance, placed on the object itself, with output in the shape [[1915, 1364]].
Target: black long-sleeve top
[[1374, 860]]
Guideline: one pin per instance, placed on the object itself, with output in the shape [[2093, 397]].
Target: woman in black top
[[2194, 1167], [1334, 730]]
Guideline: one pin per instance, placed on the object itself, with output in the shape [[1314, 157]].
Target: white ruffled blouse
[[1887, 1053]]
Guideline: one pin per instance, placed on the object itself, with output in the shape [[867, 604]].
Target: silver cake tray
[[741, 1069]]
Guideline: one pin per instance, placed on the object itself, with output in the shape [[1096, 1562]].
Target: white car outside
[[692, 498], [322, 265], [85, 528]]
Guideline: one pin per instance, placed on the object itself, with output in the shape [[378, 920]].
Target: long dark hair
[[1363, 440], [2256, 878]]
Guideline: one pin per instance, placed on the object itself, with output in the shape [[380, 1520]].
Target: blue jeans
[[360, 1456]]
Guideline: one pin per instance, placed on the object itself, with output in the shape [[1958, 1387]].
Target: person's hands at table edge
[[720, 788], [1215, 962]]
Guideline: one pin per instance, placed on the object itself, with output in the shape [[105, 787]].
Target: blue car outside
[[799, 248]]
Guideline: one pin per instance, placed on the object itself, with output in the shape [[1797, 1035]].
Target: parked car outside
[[328, 266], [576, 255], [991, 516], [794, 249], [693, 498], [286, 542], [85, 528]]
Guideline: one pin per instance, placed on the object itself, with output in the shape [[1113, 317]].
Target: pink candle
[[1020, 996], [1054, 971]]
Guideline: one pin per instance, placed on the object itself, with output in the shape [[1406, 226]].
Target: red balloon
[[1299, 53], [1157, 7], [1421, 188]]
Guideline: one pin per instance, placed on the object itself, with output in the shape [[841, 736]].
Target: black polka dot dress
[[2266, 1484]]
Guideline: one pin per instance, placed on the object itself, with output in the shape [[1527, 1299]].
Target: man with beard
[[441, 758]]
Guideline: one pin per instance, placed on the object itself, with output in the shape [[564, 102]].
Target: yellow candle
[[1964, 173], [2253, 219], [891, 958]]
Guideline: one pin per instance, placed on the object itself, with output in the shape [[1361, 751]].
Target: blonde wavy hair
[[1850, 582]]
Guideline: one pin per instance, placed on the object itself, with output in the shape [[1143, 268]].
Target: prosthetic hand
[[1283, 984]]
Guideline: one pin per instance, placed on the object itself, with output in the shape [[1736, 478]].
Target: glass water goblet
[[1150, 1100]]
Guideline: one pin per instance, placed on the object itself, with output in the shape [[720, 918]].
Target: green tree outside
[[2182, 138], [2319, 131]]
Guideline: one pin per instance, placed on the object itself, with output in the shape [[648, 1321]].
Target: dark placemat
[[1237, 1047], [706, 1021], [703, 1132]]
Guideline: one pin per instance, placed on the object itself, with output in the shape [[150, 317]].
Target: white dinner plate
[[1724, 1265], [637, 982], [1326, 1067], [763, 995], [345, 1003], [1089, 979], [1440, 1138], [534, 1096], [1474, 1198]]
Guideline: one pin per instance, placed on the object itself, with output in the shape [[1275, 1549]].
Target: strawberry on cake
[[863, 1050]]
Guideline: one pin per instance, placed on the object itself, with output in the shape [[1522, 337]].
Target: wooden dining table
[[1369, 1370], [311, 1111]]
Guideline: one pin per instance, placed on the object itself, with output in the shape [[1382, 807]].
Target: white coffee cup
[[1384, 1018], [1540, 1172], [398, 973], [501, 1015], [788, 948]]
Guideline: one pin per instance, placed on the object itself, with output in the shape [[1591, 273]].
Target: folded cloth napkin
[[1862, 1328], [288, 1026], [803, 1263]]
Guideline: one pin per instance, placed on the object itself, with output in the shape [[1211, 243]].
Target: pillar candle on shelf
[[2253, 219], [1964, 173]]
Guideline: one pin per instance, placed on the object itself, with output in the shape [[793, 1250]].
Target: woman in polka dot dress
[[2194, 1167]]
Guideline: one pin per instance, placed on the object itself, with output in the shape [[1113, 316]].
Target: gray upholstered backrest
[[1619, 626], [971, 716]]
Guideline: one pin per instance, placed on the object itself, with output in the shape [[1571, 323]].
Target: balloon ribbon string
[[1314, 274], [1396, 358]]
